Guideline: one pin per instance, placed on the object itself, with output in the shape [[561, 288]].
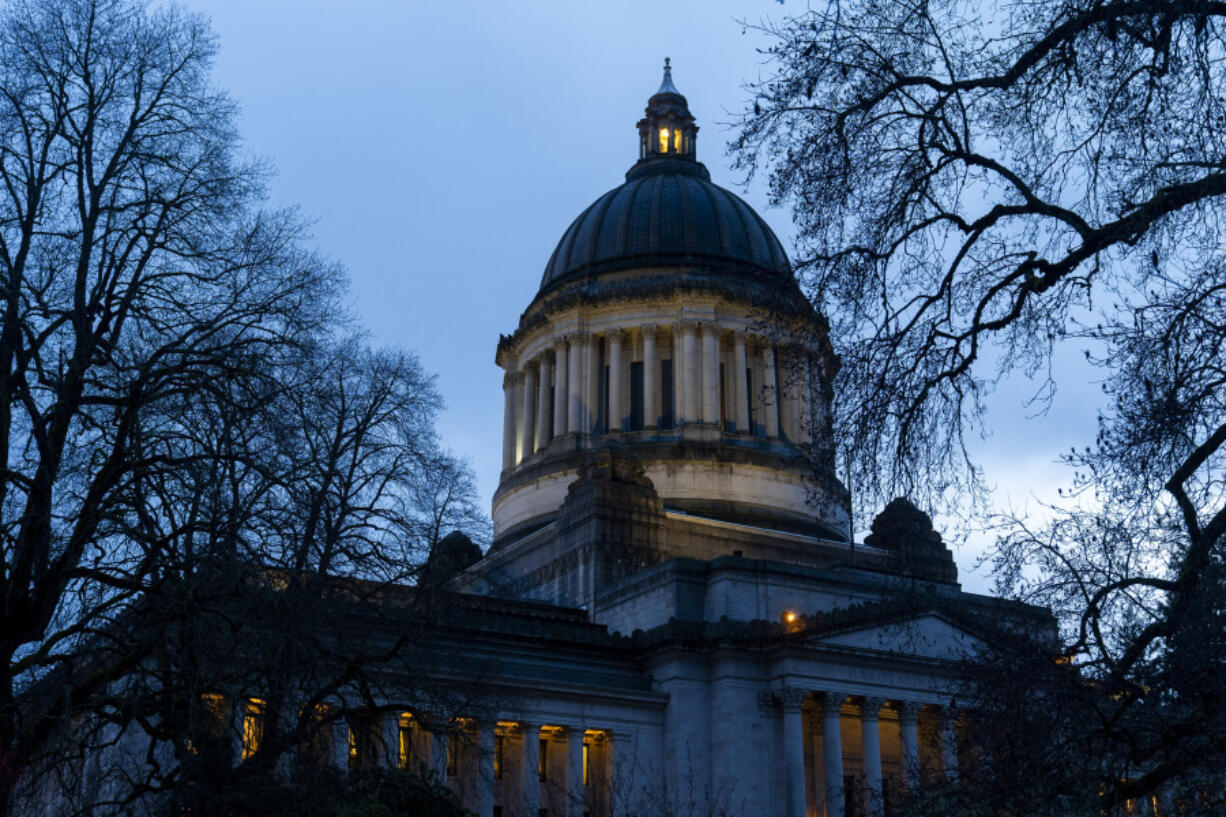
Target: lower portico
[[848, 754]]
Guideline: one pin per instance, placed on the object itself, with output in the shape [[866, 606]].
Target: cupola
[[667, 127]]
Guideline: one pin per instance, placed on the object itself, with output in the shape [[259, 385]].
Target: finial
[[667, 87]]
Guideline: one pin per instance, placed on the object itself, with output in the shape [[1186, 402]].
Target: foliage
[[978, 187], [326, 792]]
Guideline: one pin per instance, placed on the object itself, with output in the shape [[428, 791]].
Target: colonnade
[[694, 372], [825, 781], [497, 768]]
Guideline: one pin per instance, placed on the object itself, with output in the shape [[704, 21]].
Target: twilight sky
[[441, 149]]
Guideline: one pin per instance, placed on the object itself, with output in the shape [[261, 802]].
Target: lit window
[[405, 741], [253, 726], [497, 757], [677, 141], [587, 763], [542, 763], [664, 140], [353, 748]]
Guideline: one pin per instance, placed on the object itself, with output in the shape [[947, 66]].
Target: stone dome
[[668, 213]]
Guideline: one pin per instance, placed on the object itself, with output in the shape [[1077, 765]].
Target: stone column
[[740, 386], [389, 739], [832, 753], [574, 770], [908, 726], [438, 755], [794, 750], [340, 744], [527, 419], [770, 393], [560, 403], [651, 379], [574, 384], [710, 373], [689, 354], [617, 378], [543, 426], [871, 738], [485, 769], [591, 385], [949, 742], [529, 773], [508, 421]]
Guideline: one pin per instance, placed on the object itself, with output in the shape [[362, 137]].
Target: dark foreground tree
[[194, 449], [978, 186]]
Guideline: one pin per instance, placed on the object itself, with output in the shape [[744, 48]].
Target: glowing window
[[497, 757], [677, 141], [404, 739], [542, 763], [253, 726], [587, 763], [353, 749], [664, 140]]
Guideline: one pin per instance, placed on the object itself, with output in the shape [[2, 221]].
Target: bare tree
[[977, 187], [204, 472]]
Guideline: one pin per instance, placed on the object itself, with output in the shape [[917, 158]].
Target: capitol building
[[674, 617], [682, 621]]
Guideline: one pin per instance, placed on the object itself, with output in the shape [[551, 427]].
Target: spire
[[667, 128], [666, 86]]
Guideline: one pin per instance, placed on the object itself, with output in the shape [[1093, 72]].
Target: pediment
[[927, 635]]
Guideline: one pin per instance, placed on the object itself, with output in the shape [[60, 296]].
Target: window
[[253, 726], [663, 140], [498, 741], [749, 412], [666, 394], [723, 400], [636, 396], [676, 140], [404, 737], [542, 763], [587, 763], [354, 759]]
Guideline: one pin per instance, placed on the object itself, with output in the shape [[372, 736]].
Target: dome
[[668, 213]]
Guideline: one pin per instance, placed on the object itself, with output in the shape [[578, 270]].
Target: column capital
[[831, 701], [909, 710], [531, 366], [616, 335], [513, 378], [870, 707], [690, 324], [649, 330], [579, 336], [793, 698], [549, 355]]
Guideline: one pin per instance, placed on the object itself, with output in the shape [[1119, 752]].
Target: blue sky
[[441, 149]]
